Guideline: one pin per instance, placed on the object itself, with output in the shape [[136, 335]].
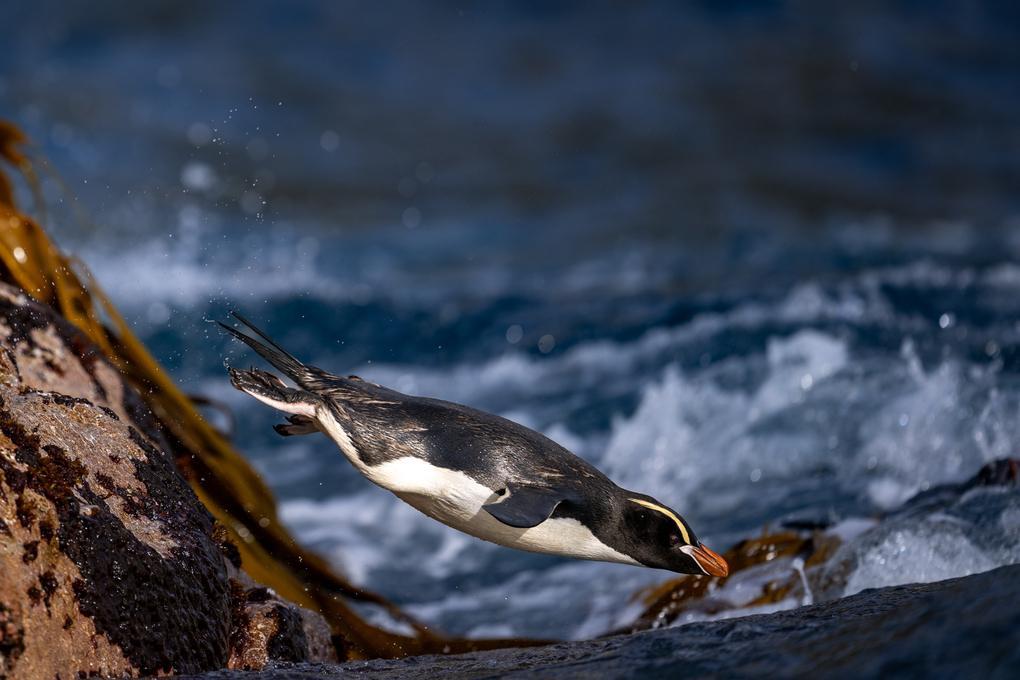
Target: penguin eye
[[674, 540]]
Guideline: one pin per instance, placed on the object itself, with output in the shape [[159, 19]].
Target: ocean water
[[759, 260]]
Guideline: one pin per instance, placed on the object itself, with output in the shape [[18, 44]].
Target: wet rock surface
[[962, 628], [267, 628], [108, 562]]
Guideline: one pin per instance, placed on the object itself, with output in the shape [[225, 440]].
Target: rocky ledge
[[957, 629], [109, 564]]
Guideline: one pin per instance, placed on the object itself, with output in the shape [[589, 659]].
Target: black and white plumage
[[476, 472]]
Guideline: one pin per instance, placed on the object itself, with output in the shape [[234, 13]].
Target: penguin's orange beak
[[713, 564]]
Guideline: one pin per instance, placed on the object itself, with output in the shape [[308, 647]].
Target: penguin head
[[658, 537]]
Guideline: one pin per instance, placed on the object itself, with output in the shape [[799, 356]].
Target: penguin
[[474, 471]]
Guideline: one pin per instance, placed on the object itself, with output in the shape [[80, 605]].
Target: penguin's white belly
[[456, 500]]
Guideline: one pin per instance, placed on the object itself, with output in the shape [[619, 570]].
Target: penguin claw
[[272, 378]]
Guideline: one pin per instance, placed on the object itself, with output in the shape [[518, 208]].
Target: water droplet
[[406, 187], [159, 313], [755, 475], [904, 419], [169, 76], [199, 134], [252, 202], [308, 248], [514, 334], [62, 135], [265, 179], [411, 218], [258, 149], [329, 140], [197, 176], [546, 344], [424, 171], [361, 294]]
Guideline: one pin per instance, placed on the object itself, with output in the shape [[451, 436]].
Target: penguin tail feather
[[279, 357]]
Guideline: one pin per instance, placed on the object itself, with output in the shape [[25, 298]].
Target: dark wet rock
[[998, 473], [267, 628], [945, 532], [106, 560], [958, 629], [109, 564]]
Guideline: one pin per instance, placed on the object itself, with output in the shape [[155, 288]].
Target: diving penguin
[[474, 471]]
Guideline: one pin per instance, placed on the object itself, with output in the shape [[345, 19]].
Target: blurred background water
[[756, 258]]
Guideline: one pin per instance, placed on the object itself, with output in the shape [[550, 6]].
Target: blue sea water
[[760, 260]]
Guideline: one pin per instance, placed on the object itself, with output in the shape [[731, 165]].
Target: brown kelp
[[663, 604], [220, 476]]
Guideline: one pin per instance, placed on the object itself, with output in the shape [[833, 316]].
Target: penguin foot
[[298, 425], [270, 390]]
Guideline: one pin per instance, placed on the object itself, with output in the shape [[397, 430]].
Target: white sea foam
[[948, 537], [198, 261], [689, 432], [916, 557], [372, 529]]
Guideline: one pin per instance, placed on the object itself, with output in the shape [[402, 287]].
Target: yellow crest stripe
[[653, 506]]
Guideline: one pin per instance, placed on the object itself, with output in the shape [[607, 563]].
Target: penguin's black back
[[493, 451]]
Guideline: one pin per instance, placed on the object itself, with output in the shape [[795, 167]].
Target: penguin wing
[[522, 506]]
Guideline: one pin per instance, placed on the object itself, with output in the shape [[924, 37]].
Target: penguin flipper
[[298, 425], [523, 507]]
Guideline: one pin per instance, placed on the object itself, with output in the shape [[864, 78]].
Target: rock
[[109, 564], [322, 643], [945, 532], [267, 628], [963, 628]]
